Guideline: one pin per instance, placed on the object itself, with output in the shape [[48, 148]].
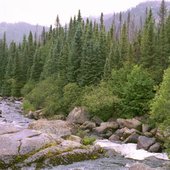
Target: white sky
[[44, 12]]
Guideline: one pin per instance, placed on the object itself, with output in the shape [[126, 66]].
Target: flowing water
[[12, 113], [126, 156]]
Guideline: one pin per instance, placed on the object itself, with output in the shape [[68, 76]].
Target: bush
[[100, 101], [137, 92], [71, 96], [28, 87], [134, 88], [27, 106], [160, 108], [47, 94]]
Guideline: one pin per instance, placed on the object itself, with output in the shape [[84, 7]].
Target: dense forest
[[122, 72]]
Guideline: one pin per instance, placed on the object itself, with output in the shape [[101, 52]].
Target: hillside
[[138, 13], [17, 30]]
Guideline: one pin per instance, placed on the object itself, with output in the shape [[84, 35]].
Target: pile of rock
[[124, 130]]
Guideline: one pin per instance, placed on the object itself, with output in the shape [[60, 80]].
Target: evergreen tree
[[3, 60], [148, 58]]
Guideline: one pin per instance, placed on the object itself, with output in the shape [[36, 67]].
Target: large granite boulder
[[78, 115], [145, 142], [57, 127]]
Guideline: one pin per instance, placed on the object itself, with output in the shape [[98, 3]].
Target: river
[[12, 113]]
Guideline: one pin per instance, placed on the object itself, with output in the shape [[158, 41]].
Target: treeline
[[113, 73]]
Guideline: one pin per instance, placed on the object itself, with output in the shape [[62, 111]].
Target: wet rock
[[155, 147], [130, 123], [57, 127], [145, 142], [105, 126], [140, 166], [78, 115], [88, 125]]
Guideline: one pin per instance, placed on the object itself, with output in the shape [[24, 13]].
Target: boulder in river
[[145, 142], [156, 147]]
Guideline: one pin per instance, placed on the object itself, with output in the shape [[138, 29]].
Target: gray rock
[[145, 142], [125, 133], [57, 127], [88, 125], [114, 138], [130, 123], [140, 166], [155, 147], [7, 128], [105, 126], [78, 115], [35, 143], [133, 138], [8, 148]]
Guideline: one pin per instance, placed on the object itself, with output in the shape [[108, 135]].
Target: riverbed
[[12, 113]]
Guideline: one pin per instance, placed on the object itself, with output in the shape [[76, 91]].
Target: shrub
[[100, 101]]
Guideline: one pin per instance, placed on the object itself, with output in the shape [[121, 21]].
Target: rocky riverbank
[[42, 144]]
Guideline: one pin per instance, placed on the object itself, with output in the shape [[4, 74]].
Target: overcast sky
[[44, 12]]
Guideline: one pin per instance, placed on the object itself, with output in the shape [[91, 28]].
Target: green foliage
[[27, 88], [87, 140], [134, 88], [71, 96], [160, 106], [100, 101], [138, 91], [40, 93], [27, 106]]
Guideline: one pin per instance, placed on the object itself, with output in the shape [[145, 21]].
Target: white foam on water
[[130, 150]]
